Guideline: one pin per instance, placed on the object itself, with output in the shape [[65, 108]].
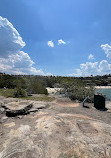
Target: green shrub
[[78, 91], [20, 93], [36, 88]]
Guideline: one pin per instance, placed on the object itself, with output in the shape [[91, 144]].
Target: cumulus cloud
[[61, 42], [88, 68], [104, 67], [10, 40], [96, 68], [107, 49], [50, 43], [90, 57], [12, 59]]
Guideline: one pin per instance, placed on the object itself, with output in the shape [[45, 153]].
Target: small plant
[[20, 93]]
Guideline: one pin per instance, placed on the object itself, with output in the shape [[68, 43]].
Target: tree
[[77, 90]]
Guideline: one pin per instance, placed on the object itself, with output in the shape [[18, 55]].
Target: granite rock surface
[[55, 132]]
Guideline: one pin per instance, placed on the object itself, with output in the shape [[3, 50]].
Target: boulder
[[17, 108]]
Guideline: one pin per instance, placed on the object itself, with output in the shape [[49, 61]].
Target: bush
[[36, 88], [20, 93], [78, 91]]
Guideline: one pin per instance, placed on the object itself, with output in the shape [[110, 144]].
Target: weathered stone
[[56, 132], [56, 137], [3, 119], [1, 103], [22, 110], [20, 116], [2, 110], [9, 100], [87, 128]]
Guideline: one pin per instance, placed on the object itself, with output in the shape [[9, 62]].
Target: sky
[[55, 37]]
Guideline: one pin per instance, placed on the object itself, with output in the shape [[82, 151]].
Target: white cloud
[[50, 44], [104, 67], [10, 40], [88, 68], [19, 63], [107, 49], [89, 65], [61, 42], [93, 68], [96, 68], [91, 57], [12, 59]]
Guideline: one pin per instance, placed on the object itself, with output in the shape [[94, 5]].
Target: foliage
[[78, 91], [7, 92], [35, 87], [12, 82], [20, 93], [75, 87], [10, 93], [32, 85]]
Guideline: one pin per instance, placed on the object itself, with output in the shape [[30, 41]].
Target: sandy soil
[[103, 87], [53, 90]]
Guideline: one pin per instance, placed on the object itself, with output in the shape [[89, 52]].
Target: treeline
[[73, 88], [27, 82], [104, 80], [53, 81], [22, 85]]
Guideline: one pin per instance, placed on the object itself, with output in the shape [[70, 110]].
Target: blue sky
[[83, 26]]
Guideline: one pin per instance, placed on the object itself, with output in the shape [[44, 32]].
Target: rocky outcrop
[[21, 111], [20, 107], [53, 132], [59, 136]]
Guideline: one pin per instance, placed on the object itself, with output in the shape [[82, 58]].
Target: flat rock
[[55, 136], [2, 110], [3, 119], [21, 107], [17, 108], [39, 105], [8, 100], [55, 132], [17, 105], [1, 103], [87, 128]]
